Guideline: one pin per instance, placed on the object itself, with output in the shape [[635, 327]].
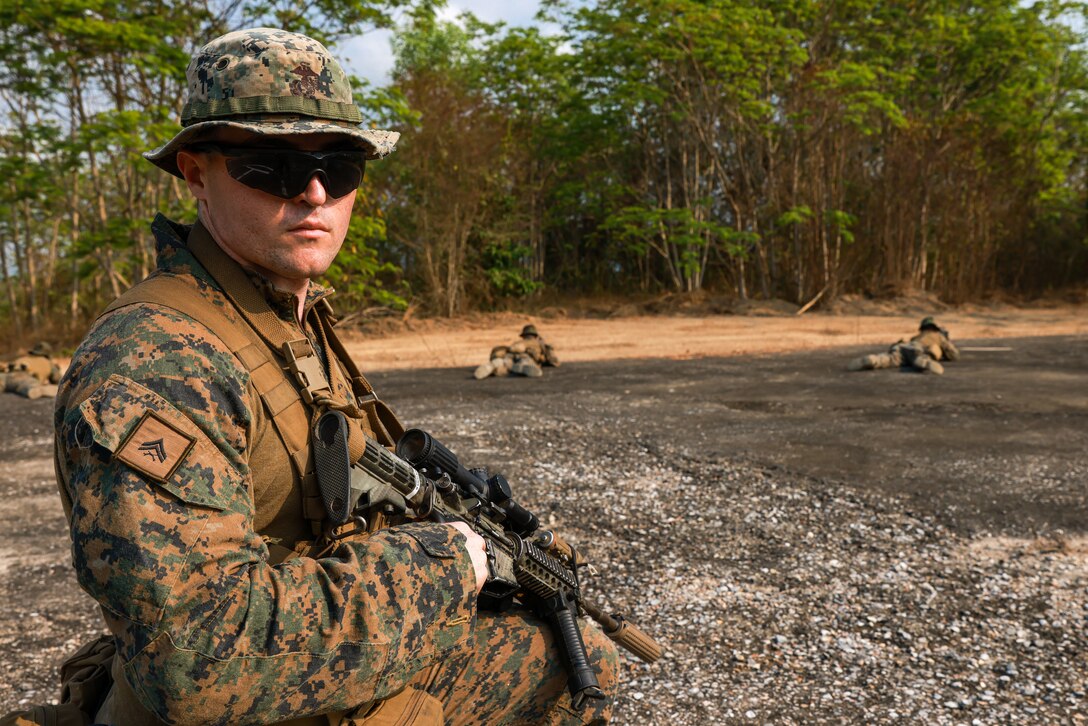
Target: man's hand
[[477, 550]]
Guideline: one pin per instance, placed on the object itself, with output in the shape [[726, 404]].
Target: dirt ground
[[425, 344], [744, 497], [773, 388]]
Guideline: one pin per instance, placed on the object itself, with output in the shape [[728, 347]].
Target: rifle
[[425, 480]]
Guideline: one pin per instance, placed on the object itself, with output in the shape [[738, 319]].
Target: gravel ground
[[782, 594], [783, 599]]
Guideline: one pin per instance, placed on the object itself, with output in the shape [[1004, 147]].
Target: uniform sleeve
[[551, 358], [949, 350], [152, 423]]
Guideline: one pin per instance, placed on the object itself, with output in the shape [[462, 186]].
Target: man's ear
[[194, 169]]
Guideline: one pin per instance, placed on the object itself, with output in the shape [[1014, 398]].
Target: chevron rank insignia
[[155, 447]]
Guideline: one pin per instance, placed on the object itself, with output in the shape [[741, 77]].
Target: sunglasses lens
[[263, 171], [286, 174], [344, 174]]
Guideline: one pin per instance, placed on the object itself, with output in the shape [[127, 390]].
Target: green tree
[[444, 174], [85, 87]]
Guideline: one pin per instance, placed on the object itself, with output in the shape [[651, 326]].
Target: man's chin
[[309, 271], [308, 257]]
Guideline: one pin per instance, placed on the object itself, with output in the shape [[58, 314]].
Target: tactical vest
[[930, 340], [294, 386]]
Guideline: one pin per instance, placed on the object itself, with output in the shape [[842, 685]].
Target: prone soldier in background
[[923, 352], [185, 454], [33, 375], [525, 357]]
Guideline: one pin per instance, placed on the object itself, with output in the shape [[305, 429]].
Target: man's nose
[[315, 193]]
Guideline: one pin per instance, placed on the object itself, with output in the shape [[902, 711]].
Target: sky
[[370, 56]]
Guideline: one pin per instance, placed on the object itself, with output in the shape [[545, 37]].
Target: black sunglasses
[[286, 173]]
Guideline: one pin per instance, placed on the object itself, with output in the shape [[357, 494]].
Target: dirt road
[[431, 344], [812, 544]]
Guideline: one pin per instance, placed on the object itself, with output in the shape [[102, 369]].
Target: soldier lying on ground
[[186, 462], [521, 358], [33, 375], [923, 352]]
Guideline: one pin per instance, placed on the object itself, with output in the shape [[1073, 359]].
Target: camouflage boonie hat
[[268, 82], [529, 330]]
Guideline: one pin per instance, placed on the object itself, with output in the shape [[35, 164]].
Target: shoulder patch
[[155, 447]]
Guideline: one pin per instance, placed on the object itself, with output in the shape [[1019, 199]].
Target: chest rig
[[294, 383]]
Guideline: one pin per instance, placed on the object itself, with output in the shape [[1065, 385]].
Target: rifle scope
[[427, 454]]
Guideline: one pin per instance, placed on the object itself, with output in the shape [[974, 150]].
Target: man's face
[[289, 241]]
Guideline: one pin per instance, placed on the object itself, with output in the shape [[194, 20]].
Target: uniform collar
[[172, 256]]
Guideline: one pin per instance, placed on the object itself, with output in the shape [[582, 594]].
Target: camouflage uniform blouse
[[209, 630]]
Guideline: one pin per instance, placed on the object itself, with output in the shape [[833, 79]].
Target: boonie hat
[[529, 330], [270, 82], [928, 322]]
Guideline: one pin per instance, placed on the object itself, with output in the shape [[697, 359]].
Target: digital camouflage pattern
[[524, 357], [923, 352], [270, 82], [174, 519], [26, 385], [513, 675], [937, 345], [899, 355], [209, 630], [266, 64]]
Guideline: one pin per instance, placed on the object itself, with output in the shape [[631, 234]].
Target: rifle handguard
[[558, 546]]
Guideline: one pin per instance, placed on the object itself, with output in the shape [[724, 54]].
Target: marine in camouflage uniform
[[524, 357], [191, 516], [33, 375], [923, 352]]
